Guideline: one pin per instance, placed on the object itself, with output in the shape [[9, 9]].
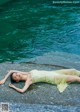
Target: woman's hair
[[11, 78]]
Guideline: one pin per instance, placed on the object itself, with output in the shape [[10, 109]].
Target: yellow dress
[[51, 77]]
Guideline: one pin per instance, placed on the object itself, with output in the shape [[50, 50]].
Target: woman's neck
[[25, 76]]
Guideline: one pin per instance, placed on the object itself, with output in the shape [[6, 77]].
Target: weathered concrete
[[39, 93]]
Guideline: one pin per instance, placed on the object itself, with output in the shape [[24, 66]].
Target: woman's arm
[[18, 71], [5, 78], [12, 71], [8, 74], [26, 86]]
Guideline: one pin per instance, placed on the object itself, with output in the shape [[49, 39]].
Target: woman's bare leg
[[69, 72], [72, 79]]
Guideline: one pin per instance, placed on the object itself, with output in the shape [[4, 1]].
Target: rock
[[39, 93]]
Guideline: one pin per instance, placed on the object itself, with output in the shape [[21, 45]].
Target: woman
[[59, 77]]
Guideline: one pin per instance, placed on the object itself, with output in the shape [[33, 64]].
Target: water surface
[[31, 28]]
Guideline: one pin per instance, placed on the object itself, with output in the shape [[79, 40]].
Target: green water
[[31, 28]]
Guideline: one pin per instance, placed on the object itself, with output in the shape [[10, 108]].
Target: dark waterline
[[31, 28]]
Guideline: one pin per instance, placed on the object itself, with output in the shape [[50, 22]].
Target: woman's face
[[17, 76]]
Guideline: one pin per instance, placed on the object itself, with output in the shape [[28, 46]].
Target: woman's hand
[[18, 89], [2, 81], [11, 85]]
